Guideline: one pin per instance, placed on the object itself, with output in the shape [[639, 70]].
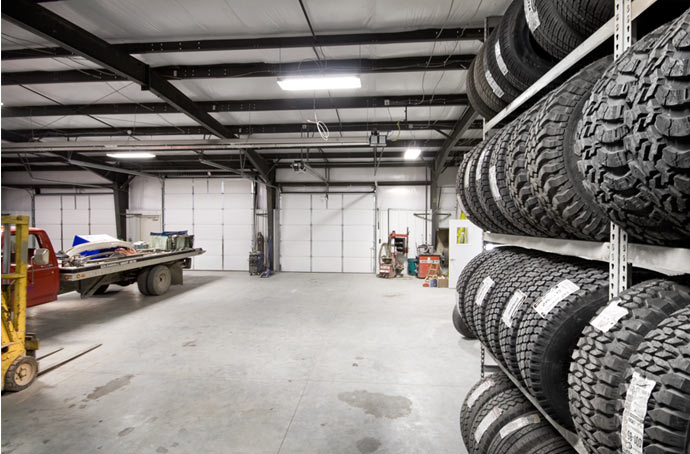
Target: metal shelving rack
[[617, 252]]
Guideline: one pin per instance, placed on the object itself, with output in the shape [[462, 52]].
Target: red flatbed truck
[[153, 271]]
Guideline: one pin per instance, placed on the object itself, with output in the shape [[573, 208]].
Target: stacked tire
[[497, 418]]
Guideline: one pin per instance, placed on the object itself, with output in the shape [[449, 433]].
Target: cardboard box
[[442, 282]]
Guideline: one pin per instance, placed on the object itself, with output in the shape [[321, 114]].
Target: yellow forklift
[[19, 365]]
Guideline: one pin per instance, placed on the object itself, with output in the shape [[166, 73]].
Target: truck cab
[[43, 273]]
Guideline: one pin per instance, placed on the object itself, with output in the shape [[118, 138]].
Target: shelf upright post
[[618, 261]]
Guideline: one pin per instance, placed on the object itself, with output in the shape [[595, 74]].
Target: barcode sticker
[[484, 288], [512, 307], [608, 318], [499, 58], [554, 296], [477, 393], [489, 419], [493, 84], [493, 184], [531, 15], [519, 423], [634, 413]]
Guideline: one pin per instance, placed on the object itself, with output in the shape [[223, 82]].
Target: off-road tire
[[552, 159], [585, 16], [486, 89], [492, 60], [463, 280], [550, 30], [460, 325], [602, 357], [476, 398], [469, 195], [527, 439]]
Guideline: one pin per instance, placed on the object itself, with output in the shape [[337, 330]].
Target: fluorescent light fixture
[[131, 155], [412, 153], [319, 83]]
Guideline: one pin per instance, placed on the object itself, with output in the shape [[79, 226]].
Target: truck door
[[43, 280]]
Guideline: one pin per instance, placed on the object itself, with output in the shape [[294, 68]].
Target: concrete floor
[[298, 363]]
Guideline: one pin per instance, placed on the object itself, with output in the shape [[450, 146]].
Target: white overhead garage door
[[64, 216], [219, 213], [327, 234]]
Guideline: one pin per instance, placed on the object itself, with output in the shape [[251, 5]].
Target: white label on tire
[[492, 83], [468, 171], [555, 295], [634, 413], [531, 15], [499, 58], [512, 307], [477, 393], [457, 302], [493, 184], [519, 423], [608, 318], [487, 283], [480, 164], [489, 419]]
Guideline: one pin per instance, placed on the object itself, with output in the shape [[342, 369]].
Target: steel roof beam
[[355, 39], [235, 70], [43, 22]]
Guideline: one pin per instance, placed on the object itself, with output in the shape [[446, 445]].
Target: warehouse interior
[[307, 226]]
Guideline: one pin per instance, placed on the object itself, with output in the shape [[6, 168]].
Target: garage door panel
[[239, 202], [76, 217], [102, 217], [69, 231], [105, 229], [358, 202], [208, 201], [102, 202], [179, 228], [295, 217], [179, 201], [236, 247], [359, 217], [183, 217], [357, 265], [238, 217], [209, 217], [326, 233], [47, 203], [295, 201], [357, 232], [359, 249], [326, 265], [81, 202], [327, 249], [326, 217], [237, 186], [178, 186], [54, 231], [295, 264], [207, 262], [208, 232], [237, 232], [295, 233], [294, 248], [44, 217], [236, 262]]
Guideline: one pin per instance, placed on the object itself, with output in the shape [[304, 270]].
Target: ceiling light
[[412, 153], [319, 83], [129, 155]]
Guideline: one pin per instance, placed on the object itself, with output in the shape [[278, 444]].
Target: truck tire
[[603, 354], [475, 100], [552, 159], [498, 183], [484, 187], [460, 325], [142, 281], [469, 195], [585, 16], [463, 280], [518, 181], [496, 65], [476, 398], [518, 56], [487, 88], [495, 414], [529, 439], [549, 332], [660, 121], [664, 358], [159, 280], [605, 155], [549, 29]]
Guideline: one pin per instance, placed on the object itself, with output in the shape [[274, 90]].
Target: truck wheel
[[21, 373], [142, 281], [101, 290], [159, 280]]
